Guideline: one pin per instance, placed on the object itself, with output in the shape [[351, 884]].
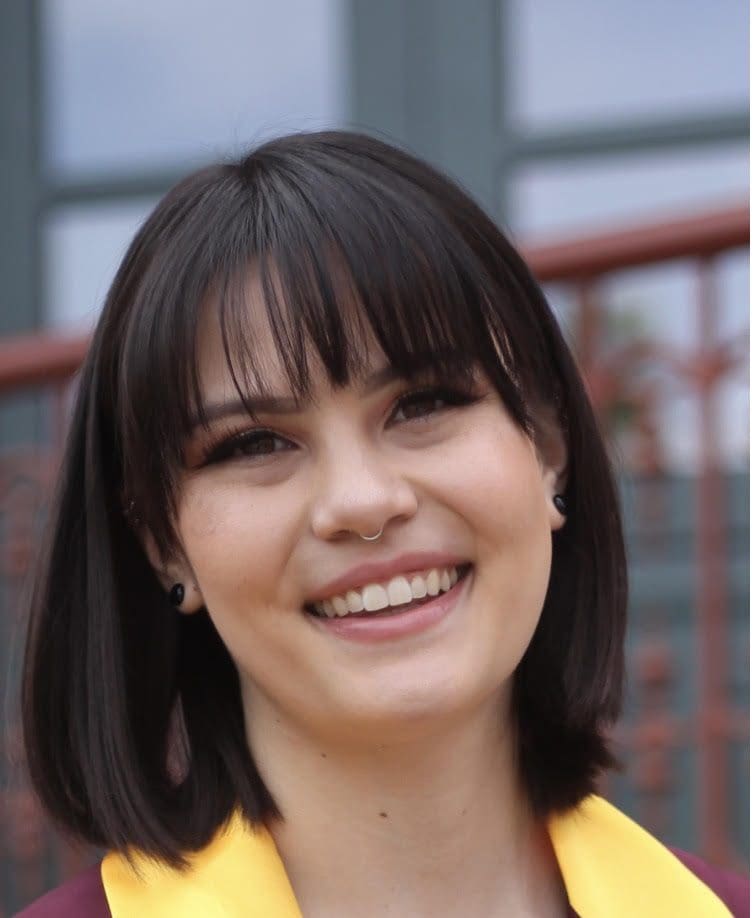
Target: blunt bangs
[[344, 250]]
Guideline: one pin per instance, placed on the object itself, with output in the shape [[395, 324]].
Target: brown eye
[[418, 406], [255, 444]]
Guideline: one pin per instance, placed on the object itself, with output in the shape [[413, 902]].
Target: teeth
[[375, 598], [397, 592], [418, 587], [355, 601]]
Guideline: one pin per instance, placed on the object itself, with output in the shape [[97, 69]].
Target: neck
[[433, 826]]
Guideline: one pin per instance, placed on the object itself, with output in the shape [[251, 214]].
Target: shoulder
[[732, 888], [83, 896]]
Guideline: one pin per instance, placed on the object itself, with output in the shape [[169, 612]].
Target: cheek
[[237, 543], [498, 490], [492, 479]]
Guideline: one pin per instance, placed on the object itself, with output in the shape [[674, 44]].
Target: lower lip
[[373, 629]]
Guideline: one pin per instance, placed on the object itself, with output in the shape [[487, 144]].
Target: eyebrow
[[278, 404]]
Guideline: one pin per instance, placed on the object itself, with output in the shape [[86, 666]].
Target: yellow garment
[[238, 874], [611, 867]]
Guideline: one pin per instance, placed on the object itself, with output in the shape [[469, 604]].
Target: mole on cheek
[[383, 815]]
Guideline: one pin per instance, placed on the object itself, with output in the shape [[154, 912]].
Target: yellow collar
[[609, 864]]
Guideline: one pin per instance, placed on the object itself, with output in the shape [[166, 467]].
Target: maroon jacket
[[84, 895]]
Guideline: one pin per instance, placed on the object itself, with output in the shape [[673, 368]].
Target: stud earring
[[177, 593], [560, 504]]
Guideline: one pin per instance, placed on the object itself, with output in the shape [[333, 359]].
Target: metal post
[[712, 586], [427, 75]]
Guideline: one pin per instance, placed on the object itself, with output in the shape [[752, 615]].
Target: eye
[[250, 444], [422, 404]]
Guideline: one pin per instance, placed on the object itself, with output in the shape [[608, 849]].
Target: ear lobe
[[186, 598], [551, 478], [557, 518], [176, 577], [553, 457]]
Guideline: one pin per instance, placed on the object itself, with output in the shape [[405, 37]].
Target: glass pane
[[133, 83], [552, 198], [733, 291], [83, 246], [589, 60]]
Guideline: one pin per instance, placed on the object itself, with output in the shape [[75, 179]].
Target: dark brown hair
[[348, 235]]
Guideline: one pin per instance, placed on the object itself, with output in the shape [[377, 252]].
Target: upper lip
[[378, 571]]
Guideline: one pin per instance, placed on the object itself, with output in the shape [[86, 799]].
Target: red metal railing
[[584, 263], [45, 363]]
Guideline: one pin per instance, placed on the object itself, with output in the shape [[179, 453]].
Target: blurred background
[[609, 139]]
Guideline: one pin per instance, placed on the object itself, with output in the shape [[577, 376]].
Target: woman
[[332, 613]]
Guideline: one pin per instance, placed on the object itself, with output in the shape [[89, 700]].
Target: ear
[[172, 572], [553, 460]]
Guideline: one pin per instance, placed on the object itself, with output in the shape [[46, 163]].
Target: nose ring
[[371, 538]]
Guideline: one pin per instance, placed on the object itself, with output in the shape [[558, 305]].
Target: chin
[[404, 708]]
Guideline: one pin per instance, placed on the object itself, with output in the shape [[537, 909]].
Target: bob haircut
[[132, 712]]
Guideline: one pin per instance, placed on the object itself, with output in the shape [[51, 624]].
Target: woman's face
[[271, 520]]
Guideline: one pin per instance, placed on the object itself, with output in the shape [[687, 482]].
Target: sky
[[133, 84]]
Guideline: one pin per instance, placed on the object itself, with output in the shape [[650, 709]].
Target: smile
[[399, 593]]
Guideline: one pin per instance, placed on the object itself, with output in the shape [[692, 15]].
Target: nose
[[359, 492]]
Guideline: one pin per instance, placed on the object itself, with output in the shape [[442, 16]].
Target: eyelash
[[223, 448]]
